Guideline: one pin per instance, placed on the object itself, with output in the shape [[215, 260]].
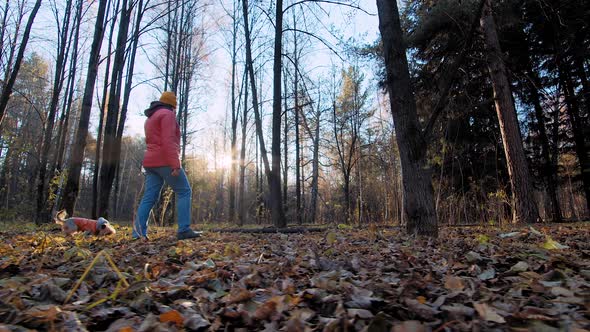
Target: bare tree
[[9, 84], [274, 180], [63, 39], [418, 198], [75, 165], [255, 104]]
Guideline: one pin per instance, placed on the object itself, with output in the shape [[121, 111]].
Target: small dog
[[73, 225]]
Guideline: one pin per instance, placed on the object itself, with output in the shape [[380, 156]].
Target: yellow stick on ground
[[122, 278]]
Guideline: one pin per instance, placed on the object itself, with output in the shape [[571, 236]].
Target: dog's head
[[60, 217], [104, 227]]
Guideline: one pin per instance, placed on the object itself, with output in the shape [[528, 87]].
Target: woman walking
[[162, 164]]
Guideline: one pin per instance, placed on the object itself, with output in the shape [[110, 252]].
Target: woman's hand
[[175, 172]]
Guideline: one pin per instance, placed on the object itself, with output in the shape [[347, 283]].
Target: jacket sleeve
[[170, 144]]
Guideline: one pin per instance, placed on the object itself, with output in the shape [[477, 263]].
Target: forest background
[[77, 74]]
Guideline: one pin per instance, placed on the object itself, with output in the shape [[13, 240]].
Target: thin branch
[[328, 2], [318, 38]]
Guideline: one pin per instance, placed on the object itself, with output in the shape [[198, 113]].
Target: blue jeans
[[154, 180]]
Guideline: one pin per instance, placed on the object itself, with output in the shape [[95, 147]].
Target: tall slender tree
[[8, 86], [62, 44], [523, 203], [418, 198], [274, 184], [75, 165]]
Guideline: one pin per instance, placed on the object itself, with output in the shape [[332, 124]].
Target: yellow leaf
[[551, 244], [483, 239], [421, 299], [331, 238], [172, 316]]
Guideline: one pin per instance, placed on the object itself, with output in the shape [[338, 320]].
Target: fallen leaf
[[487, 274], [295, 324], [71, 322], [239, 295], [360, 313], [535, 314], [195, 321], [551, 244], [172, 316], [560, 291], [409, 326], [265, 311], [331, 238], [454, 283], [519, 267], [45, 313], [509, 235], [534, 231], [472, 257], [424, 311], [458, 309], [380, 323], [539, 326], [488, 313], [482, 239]]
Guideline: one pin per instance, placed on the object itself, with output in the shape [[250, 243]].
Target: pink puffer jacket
[[162, 137]]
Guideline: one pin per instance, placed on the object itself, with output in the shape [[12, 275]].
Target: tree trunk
[[75, 165], [102, 108], [7, 90], [234, 123], [298, 178], [285, 151], [315, 168], [276, 206], [549, 172], [258, 120], [62, 42], [418, 198], [578, 125], [241, 201], [57, 164], [111, 155], [524, 206], [315, 139]]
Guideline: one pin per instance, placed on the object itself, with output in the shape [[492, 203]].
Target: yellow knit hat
[[168, 97]]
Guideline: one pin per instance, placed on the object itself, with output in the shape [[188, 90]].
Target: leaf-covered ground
[[470, 279]]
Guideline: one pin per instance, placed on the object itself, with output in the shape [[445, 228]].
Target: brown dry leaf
[[239, 295], [126, 329], [536, 314], [488, 313], [265, 311], [454, 283], [295, 324], [172, 316], [44, 313], [409, 326]]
